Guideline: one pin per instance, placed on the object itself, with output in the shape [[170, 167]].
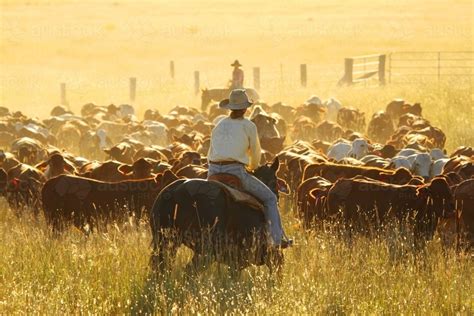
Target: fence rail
[[409, 66], [363, 68]]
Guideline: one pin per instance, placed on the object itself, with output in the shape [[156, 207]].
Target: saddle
[[234, 190]]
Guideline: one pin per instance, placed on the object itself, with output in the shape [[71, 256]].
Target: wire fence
[[411, 67]]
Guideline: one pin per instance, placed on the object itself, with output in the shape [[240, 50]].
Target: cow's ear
[[283, 187], [107, 151], [276, 164], [125, 169]]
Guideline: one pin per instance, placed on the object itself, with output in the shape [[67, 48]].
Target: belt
[[225, 163]]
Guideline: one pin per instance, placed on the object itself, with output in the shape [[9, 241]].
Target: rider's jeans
[[256, 187]]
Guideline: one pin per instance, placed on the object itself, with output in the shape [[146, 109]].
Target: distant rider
[[237, 76]]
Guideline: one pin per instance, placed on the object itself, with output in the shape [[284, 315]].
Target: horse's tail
[[160, 222]]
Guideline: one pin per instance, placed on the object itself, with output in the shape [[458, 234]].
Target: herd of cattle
[[106, 165]]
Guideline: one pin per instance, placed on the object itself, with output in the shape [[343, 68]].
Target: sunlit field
[[109, 274], [95, 46]]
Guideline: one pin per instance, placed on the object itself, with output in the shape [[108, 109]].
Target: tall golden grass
[[109, 273]]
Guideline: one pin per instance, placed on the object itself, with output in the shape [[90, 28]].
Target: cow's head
[[421, 165], [402, 176], [190, 158], [359, 149], [442, 197], [140, 169]]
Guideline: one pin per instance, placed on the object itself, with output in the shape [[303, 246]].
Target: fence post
[[303, 75], [172, 69], [256, 78], [133, 88], [382, 59], [63, 94], [196, 82], [348, 68], [389, 67], [439, 66]]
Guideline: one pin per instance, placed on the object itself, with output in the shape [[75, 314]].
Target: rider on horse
[[235, 145], [237, 76]]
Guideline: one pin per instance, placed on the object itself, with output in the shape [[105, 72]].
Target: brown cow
[[307, 206], [462, 165], [186, 158], [123, 152], [434, 135], [303, 128], [56, 165], [140, 169], [463, 151], [103, 171], [287, 111], [23, 186], [364, 205], [150, 152], [333, 172], [316, 112], [464, 197], [380, 127], [294, 167], [81, 201], [320, 146], [329, 131], [351, 118], [398, 107]]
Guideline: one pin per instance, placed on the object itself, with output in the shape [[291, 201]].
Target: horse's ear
[[167, 178], [276, 164]]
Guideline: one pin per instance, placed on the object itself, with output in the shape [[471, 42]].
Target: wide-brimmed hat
[[238, 100], [236, 63]]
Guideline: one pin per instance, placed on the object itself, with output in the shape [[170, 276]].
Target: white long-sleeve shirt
[[235, 139]]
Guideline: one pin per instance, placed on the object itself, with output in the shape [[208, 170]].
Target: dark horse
[[200, 215], [209, 95]]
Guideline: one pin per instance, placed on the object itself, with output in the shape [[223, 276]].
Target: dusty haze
[[96, 46]]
